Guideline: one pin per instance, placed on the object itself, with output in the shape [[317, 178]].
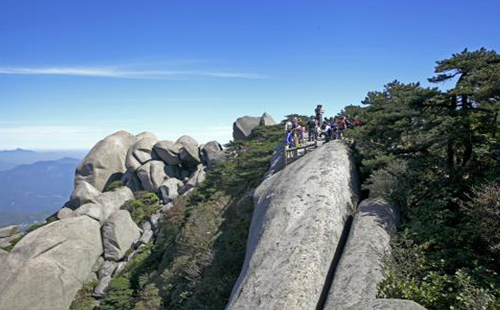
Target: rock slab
[[360, 268], [295, 229], [119, 233], [48, 266]]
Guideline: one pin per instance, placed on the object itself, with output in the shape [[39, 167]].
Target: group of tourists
[[318, 127]]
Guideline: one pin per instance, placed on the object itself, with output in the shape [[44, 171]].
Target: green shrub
[[84, 299], [149, 298], [144, 205], [483, 208], [119, 295], [114, 185]]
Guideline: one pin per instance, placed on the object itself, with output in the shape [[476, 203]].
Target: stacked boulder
[[9, 234], [243, 126], [93, 237]]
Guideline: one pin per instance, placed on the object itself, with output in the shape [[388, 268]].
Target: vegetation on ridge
[[436, 154], [201, 248]]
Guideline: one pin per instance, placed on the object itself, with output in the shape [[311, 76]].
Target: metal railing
[[291, 154]]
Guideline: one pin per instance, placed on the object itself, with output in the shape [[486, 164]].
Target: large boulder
[[211, 153], [186, 140], [106, 204], [168, 151], [359, 270], [267, 120], [140, 153], [82, 194], [189, 152], [152, 174], [119, 233], [105, 162], [243, 127], [296, 227], [196, 179], [169, 189], [48, 266], [8, 231]]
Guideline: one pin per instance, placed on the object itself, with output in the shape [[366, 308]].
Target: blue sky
[[72, 72]]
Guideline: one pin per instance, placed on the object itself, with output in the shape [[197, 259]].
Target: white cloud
[[114, 72], [81, 137], [50, 137]]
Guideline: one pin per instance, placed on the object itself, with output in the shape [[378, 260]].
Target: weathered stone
[[211, 153], [107, 269], [140, 153], [106, 204], [64, 213], [98, 264], [169, 189], [267, 120], [243, 127], [147, 233], [91, 210], [49, 265], [118, 234], [82, 194], [100, 289], [297, 224], [131, 181], [8, 231], [152, 174], [155, 220], [196, 179], [105, 162], [360, 267], [190, 155], [186, 140], [168, 151], [120, 267]]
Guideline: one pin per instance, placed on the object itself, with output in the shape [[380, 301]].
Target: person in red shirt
[[341, 125]]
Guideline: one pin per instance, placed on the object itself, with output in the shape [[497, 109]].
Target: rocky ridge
[[91, 237]]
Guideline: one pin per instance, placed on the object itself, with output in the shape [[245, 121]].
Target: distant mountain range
[[32, 192], [12, 158]]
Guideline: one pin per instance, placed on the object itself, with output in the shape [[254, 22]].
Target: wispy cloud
[[115, 72]]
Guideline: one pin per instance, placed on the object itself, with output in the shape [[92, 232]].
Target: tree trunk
[[467, 139]]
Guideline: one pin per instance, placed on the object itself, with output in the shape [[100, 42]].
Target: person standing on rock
[[319, 114], [312, 131], [341, 126]]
